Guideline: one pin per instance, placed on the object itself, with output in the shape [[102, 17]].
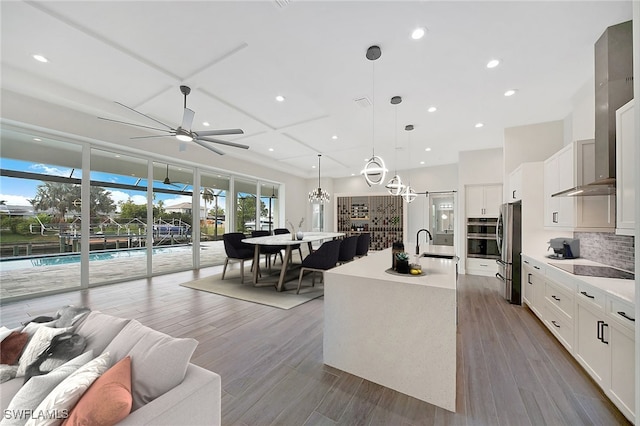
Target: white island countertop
[[393, 329]]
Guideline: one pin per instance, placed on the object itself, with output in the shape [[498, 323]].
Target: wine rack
[[380, 215]]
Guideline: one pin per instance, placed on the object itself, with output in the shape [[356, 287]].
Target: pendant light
[[395, 185], [409, 194], [319, 195], [374, 171]]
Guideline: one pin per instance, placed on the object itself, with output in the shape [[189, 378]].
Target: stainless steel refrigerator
[[509, 236]]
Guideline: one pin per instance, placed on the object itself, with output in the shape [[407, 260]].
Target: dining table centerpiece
[[296, 234]]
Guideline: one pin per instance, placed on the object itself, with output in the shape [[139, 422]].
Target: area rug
[[231, 287]]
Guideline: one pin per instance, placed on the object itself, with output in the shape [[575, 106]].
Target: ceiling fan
[[183, 132]]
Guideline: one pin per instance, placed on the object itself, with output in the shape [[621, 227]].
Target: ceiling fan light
[[184, 137]]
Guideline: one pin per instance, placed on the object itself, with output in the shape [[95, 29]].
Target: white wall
[[532, 142], [582, 118]]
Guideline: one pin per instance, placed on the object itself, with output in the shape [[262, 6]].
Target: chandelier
[[374, 170], [318, 195], [395, 185]]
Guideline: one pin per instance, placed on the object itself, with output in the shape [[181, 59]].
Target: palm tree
[[207, 195]]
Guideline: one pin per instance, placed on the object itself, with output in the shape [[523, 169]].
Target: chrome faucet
[[418, 239]]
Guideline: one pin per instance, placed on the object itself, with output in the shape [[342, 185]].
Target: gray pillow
[[99, 329], [70, 315], [32, 393], [158, 361]]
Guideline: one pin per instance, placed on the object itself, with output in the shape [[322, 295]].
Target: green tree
[[246, 211], [129, 210], [62, 198]]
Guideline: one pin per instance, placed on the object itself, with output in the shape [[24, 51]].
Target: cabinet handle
[[555, 217], [604, 324], [526, 261], [624, 315], [529, 278], [553, 296], [513, 195], [536, 267], [584, 293], [599, 330], [555, 323]]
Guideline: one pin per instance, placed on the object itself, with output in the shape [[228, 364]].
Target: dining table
[[288, 243]]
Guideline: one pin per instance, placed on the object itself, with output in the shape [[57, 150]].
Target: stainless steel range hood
[[613, 89]]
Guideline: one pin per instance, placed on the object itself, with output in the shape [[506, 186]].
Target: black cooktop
[[595, 271]]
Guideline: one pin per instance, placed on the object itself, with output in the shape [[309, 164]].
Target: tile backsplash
[[608, 249]]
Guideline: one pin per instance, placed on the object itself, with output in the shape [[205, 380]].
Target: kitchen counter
[[620, 288], [395, 330]]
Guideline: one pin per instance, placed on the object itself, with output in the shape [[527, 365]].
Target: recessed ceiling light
[[280, 98], [40, 58], [117, 155], [37, 139], [422, 162], [205, 123], [493, 63], [270, 149], [510, 92], [432, 109], [478, 125], [313, 167], [353, 174], [418, 33], [334, 137], [427, 149]]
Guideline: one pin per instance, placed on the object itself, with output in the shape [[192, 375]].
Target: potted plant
[[402, 262]]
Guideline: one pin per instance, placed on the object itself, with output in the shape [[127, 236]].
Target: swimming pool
[[66, 259]]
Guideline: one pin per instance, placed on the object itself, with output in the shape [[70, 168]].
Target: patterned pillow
[[56, 406], [38, 343], [32, 393]]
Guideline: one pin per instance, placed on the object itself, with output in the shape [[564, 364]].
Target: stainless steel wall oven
[[481, 238]]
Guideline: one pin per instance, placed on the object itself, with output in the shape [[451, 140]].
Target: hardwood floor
[[511, 371]]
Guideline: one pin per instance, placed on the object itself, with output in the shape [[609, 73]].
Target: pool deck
[[39, 279]]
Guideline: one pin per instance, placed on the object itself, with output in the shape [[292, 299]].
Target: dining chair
[[237, 250], [268, 251], [348, 249], [280, 231], [362, 247], [324, 258]]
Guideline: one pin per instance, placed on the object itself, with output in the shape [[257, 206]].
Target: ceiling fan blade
[[220, 132], [236, 145], [144, 115], [210, 148], [136, 125], [187, 119], [150, 137]]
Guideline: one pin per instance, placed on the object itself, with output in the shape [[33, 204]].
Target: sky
[[18, 191]]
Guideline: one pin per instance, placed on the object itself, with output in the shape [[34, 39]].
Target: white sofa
[[167, 389]]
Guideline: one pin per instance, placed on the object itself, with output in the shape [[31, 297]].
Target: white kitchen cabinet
[[625, 169], [621, 386], [533, 285], [592, 343], [515, 186], [558, 176], [483, 200], [485, 267], [574, 165]]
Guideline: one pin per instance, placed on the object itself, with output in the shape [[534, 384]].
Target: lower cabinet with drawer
[[605, 347], [596, 327], [486, 267]]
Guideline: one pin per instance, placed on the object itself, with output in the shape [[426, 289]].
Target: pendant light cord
[[373, 112]]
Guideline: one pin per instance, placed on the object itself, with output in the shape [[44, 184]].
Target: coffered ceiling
[[237, 56]]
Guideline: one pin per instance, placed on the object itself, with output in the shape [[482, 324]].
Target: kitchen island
[[395, 330]]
